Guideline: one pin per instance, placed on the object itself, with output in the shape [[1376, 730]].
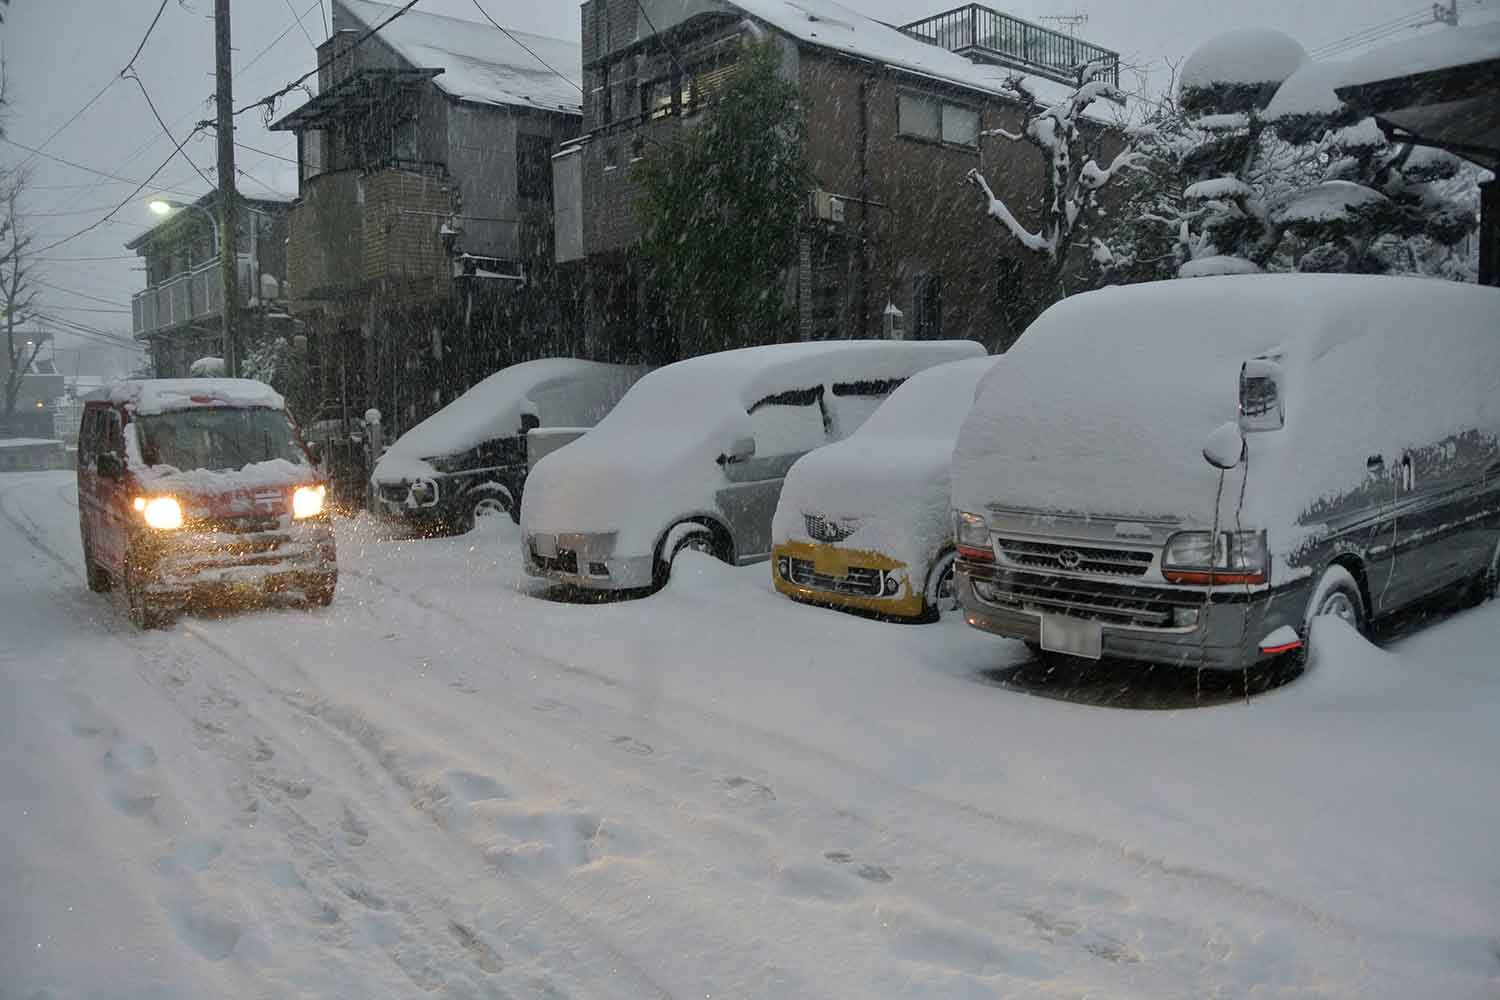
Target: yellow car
[[865, 524]]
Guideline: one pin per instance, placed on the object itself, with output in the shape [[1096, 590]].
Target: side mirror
[[1261, 407], [740, 450], [1225, 447], [109, 466], [315, 452], [530, 422]]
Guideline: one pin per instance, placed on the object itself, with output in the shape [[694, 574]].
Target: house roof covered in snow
[[1443, 48], [480, 63]]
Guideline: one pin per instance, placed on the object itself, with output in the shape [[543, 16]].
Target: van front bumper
[[189, 565], [586, 560], [819, 573], [1225, 636]]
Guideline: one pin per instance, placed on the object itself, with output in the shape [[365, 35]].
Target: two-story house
[[421, 235], [895, 241], [179, 314]]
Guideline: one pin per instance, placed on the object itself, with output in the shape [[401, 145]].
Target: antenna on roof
[[1069, 22]]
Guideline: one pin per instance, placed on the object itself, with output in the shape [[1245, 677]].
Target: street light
[[164, 207]]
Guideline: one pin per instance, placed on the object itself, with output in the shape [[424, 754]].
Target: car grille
[[821, 529], [566, 561], [394, 492], [1074, 558], [235, 525], [859, 582], [1110, 603]]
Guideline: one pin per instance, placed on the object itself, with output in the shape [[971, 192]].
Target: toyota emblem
[[1070, 559]]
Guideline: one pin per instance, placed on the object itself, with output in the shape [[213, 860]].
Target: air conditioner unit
[[827, 206]]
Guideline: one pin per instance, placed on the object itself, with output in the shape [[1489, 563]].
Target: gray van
[[1116, 497]]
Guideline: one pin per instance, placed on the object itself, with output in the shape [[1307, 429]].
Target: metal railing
[[986, 35], [191, 295]]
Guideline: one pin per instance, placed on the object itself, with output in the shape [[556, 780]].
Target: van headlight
[[1201, 557], [161, 513], [307, 501], [971, 534]]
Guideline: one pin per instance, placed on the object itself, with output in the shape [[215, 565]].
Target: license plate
[[1072, 637]]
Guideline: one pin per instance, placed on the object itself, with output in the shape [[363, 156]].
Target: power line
[[145, 38], [168, 132], [80, 260], [1356, 37], [662, 38], [305, 33], [266, 152], [81, 295], [75, 329], [64, 126], [269, 101], [76, 166], [528, 48]]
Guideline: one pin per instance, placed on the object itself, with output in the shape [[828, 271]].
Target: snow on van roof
[[1105, 401], [161, 394], [493, 408]]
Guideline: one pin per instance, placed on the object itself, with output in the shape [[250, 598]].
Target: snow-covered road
[[443, 784]]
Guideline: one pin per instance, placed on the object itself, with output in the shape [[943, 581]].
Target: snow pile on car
[[150, 396], [559, 392], [665, 437], [1104, 404], [889, 480]]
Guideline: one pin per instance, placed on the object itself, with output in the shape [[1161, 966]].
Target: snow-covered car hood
[[890, 493]]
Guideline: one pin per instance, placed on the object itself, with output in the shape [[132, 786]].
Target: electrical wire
[[81, 295], [641, 6], [1368, 35], [305, 33], [77, 166], [144, 39], [64, 126], [528, 48], [1367, 30], [1371, 40], [168, 132]]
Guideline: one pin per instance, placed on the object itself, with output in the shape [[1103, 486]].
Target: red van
[[199, 490]]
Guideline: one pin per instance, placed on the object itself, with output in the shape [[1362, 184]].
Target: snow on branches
[[1073, 180]]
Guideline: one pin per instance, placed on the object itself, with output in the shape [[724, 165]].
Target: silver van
[[1189, 471], [695, 455]]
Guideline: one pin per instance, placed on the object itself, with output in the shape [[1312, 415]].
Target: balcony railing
[[986, 35], [192, 295]]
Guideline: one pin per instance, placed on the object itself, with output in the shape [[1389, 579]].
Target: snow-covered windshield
[[217, 438]]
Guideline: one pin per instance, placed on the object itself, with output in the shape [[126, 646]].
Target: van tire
[[1337, 593], [485, 503], [145, 614], [683, 537], [940, 595], [320, 594], [98, 579], [1486, 586]]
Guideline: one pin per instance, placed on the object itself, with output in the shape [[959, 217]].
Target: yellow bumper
[[832, 561]]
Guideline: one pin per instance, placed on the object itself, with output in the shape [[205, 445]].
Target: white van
[[695, 455], [1116, 496]]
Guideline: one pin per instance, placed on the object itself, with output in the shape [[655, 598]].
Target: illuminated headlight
[[161, 513], [972, 535], [1205, 558], [307, 501]]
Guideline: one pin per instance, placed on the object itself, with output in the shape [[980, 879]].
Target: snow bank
[[1218, 187], [655, 456], [559, 392], [480, 63], [1439, 49], [1243, 56], [1105, 402], [890, 478], [160, 395], [28, 442], [1329, 201], [1308, 91], [1217, 265]]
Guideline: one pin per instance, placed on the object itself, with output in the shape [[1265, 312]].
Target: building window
[[534, 167], [927, 307], [606, 106], [938, 121]]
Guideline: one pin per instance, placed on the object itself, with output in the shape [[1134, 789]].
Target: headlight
[[161, 513], [972, 536], [1205, 558], [307, 501]]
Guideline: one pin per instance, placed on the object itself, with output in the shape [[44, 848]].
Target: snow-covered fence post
[[1073, 177]]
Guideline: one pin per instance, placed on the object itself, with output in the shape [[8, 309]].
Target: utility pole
[[228, 265], [1446, 14]]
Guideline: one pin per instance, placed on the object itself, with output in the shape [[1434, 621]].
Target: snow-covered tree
[[1065, 137], [18, 293], [1256, 164]]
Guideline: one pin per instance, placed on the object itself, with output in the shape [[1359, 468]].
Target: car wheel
[[98, 580], [941, 596], [685, 537], [1337, 594], [486, 504], [320, 594], [145, 613], [1486, 586]]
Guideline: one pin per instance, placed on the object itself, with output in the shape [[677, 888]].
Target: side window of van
[[110, 437], [853, 402], [789, 423], [87, 435]]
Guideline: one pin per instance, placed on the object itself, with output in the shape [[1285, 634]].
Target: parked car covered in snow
[[199, 490], [1116, 498], [695, 455], [867, 523], [469, 459]]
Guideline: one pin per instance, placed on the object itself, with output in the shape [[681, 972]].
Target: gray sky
[[59, 53]]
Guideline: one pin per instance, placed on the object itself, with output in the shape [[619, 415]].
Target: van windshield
[[218, 438]]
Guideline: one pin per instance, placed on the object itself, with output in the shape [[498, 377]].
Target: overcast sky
[[60, 53]]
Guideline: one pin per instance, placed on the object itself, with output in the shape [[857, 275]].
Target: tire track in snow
[[1032, 829]]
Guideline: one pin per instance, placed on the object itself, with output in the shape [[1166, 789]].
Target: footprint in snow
[[747, 792], [870, 873], [632, 745], [561, 708]]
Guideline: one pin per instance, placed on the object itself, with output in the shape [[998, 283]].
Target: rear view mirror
[[1225, 446], [109, 466], [529, 422], [1261, 407], [740, 450]]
